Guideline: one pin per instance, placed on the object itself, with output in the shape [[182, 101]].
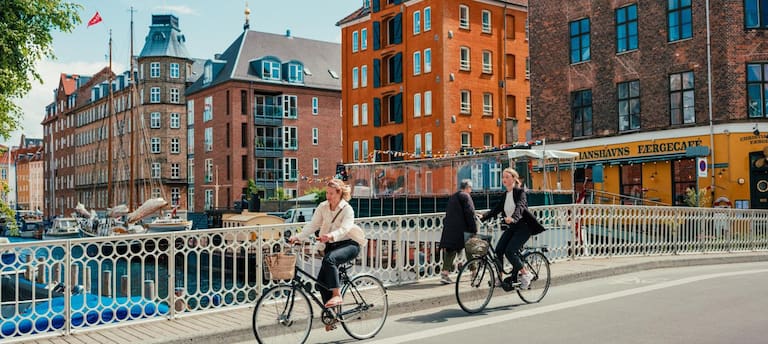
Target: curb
[[246, 333]]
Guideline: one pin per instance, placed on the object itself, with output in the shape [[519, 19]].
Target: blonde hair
[[514, 174], [346, 191]]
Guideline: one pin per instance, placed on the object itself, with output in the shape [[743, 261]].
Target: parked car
[[297, 215]]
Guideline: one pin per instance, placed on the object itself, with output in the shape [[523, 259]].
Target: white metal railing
[[132, 278]]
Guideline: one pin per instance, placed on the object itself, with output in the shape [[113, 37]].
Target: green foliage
[[7, 212], [281, 195], [319, 194], [25, 38], [701, 199], [253, 188]]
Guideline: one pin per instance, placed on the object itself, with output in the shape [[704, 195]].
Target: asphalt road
[[703, 304]]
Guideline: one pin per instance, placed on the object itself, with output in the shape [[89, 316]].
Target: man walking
[[458, 224]]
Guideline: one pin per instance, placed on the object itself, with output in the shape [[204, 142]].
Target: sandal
[[330, 327], [333, 302]]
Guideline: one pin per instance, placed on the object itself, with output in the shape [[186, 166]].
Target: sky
[[208, 25]]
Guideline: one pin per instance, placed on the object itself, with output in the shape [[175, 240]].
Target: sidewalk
[[235, 325]]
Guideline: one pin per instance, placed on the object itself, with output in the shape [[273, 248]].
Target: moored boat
[[62, 228]]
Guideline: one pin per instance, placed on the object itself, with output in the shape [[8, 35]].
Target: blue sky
[[209, 26]]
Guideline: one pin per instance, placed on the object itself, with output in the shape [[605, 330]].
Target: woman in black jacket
[[459, 219], [515, 232]]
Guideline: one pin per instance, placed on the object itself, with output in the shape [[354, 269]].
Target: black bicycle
[[477, 279], [284, 312]]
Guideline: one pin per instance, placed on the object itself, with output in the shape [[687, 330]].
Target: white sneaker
[[525, 279], [444, 279]]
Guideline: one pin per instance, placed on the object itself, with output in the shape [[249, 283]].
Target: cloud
[[33, 104], [178, 9]]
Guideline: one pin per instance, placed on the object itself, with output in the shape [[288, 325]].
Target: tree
[[25, 38], [319, 194]]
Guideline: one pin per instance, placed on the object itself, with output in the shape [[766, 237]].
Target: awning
[[541, 154]]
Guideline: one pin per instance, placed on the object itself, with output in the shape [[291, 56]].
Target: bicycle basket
[[282, 266], [476, 247]]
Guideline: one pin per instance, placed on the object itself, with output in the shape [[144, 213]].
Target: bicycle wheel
[[282, 315], [475, 284], [364, 308], [538, 265]]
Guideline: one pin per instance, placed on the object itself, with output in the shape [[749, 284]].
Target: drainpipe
[[709, 98]]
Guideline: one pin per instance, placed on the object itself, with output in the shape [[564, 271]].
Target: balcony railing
[[269, 143], [268, 174]]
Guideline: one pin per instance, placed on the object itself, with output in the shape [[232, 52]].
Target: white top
[[509, 204], [321, 220]]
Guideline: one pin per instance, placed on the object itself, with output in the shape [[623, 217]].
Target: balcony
[[268, 175], [269, 115], [268, 147]]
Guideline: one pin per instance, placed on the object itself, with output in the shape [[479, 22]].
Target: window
[[428, 103], [155, 145], [631, 177], [270, 70], [427, 19], [416, 105], [417, 145], [487, 104], [755, 14], [175, 195], [315, 105], [465, 101], [494, 176], [487, 62], [355, 115], [679, 20], [208, 140], [290, 138], [486, 16], [488, 140], [629, 105], [683, 178], [356, 151], [208, 170], [290, 107], [427, 60], [156, 170], [463, 17], [174, 70], [757, 81], [175, 171], [579, 31], [208, 109], [364, 76], [208, 199], [175, 147], [243, 135], [428, 144], [315, 166], [363, 39], [175, 120], [365, 150], [315, 136], [295, 73], [207, 73], [581, 110], [466, 139], [355, 78], [154, 120], [527, 67], [354, 41], [416, 22], [626, 28], [681, 100], [364, 114], [173, 95], [528, 108], [417, 63], [290, 169], [154, 95], [154, 70], [464, 58]]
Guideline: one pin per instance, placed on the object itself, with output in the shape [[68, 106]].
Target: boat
[[168, 223], [62, 228]]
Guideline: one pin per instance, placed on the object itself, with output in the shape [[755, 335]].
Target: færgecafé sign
[[641, 149]]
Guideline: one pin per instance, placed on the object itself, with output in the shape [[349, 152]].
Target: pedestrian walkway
[[234, 325]]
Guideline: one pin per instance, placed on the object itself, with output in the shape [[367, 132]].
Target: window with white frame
[[465, 101], [208, 199], [315, 166], [417, 63], [363, 39], [466, 139], [270, 70], [365, 150], [154, 70], [175, 195], [155, 193], [486, 17], [354, 41], [173, 95], [428, 144], [476, 171], [290, 169], [191, 171], [356, 151], [175, 147], [463, 17], [208, 109], [208, 170], [154, 120], [290, 138], [464, 58], [416, 22], [428, 103], [208, 140], [527, 67], [494, 176], [315, 136], [427, 60], [427, 19], [207, 73], [487, 62], [364, 76], [290, 107], [175, 171], [156, 170], [488, 140], [174, 70], [355, 115], [154, 145], [364, 114], [417, 145], [154, 95], [417, 105], [175, 122], [315, 105], [295, 73], [355, 77], [487, 104], [528, 108]]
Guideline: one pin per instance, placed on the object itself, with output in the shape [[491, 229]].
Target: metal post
[[124, 287], [106, 283]]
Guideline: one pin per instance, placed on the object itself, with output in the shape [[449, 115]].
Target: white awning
[[542, 154]]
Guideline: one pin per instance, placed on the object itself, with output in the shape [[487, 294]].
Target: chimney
[[288, 33]]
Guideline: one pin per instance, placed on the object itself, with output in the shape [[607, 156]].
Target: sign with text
[[701, 167]]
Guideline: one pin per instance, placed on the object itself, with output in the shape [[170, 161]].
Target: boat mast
[[109, 130], [134, 99]]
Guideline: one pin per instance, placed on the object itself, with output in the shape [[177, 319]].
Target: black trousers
[[336, 253], [509, 245]]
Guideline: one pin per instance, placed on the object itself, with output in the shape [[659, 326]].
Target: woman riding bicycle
[[515, 232], [334, 218]]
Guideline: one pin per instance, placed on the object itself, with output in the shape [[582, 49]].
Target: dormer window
[[295, 73], [208, 73], [270, 70], [366, 4]]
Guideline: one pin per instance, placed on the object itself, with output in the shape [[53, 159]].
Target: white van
[[297, 215]]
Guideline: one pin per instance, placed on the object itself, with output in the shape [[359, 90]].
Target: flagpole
[[134, 99], [109, 130]]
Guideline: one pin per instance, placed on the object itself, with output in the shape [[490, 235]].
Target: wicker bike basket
[[282, 266]]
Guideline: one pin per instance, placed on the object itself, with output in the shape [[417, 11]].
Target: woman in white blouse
[[334, 218]]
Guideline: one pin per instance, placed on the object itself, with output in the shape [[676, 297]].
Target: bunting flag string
[[440, 155]]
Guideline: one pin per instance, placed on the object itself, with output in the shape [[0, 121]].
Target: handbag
[[533, 224]]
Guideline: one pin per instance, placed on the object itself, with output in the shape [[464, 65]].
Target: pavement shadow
[[444, 315]]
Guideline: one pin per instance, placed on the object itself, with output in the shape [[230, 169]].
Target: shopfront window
[[631, 184], [683, 177]]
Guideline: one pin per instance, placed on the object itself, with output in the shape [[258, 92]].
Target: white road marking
[[551, 308]]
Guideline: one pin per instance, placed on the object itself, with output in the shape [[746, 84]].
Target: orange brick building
[[425, 78]]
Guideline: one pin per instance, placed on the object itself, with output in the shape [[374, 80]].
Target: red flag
[[95, 20]]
